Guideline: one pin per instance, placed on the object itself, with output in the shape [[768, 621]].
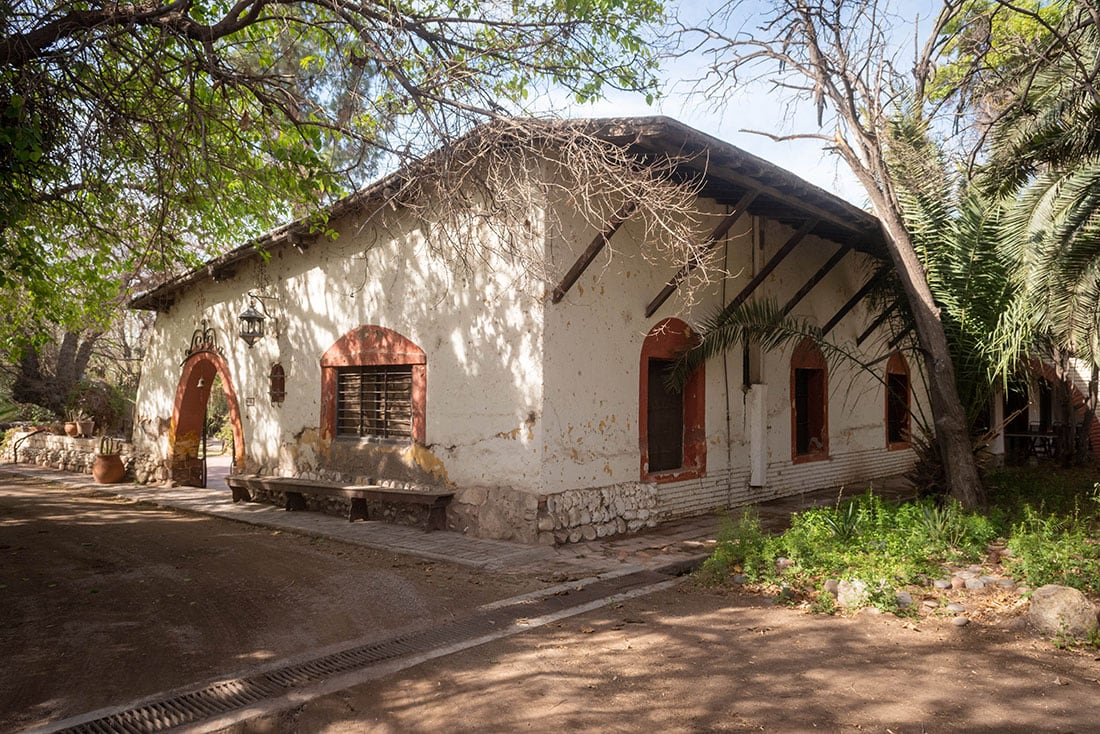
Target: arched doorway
[[186, 436]]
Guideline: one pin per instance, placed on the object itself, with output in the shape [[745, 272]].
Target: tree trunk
[[952, 434], [49, 385]]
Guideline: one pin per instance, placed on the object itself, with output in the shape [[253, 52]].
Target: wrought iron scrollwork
[[203, 339]]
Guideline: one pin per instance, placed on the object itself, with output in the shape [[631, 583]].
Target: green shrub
[[742, 546], [1049, 549]]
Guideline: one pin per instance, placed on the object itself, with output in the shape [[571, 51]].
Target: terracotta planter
[[71, 430], [108, 469], [85, 428]]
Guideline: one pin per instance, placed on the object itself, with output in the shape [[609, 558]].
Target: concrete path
[[681, 542]]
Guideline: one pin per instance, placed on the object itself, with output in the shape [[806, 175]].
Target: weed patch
[[884, 545]]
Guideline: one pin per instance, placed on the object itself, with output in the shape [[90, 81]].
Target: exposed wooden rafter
[[816, 278], [719, 232], [889, 348], [876, 323], [771, 265], [592, 250], [847, 307], [897, 339]]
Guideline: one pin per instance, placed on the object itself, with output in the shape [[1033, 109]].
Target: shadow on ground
[[700, 661]]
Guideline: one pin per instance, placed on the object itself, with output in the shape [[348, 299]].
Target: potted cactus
[[108, 467], [70, 425], [79, 424]]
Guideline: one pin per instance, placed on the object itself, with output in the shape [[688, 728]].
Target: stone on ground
[[851, 594], [1062, 611]]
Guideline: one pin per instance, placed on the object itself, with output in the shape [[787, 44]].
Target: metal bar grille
[[374, 401]]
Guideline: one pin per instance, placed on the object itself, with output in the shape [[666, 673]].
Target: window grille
[[666, 419], [375, 401], [278, 384], [897, 407]]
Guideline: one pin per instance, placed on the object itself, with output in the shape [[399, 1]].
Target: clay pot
[[71, 430], [108, 469], [85, 428]]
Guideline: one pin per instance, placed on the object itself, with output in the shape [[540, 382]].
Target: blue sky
[[760, 108]]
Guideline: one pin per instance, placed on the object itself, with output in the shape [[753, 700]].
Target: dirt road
[[103, 601], [691, 660]]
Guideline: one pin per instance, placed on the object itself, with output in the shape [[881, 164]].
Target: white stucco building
[[541, 408]]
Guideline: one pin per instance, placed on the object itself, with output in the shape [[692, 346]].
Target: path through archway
[[186, 459]]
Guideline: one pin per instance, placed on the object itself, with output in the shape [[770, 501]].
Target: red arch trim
[[374, 345], [188, 409], [897, 365], [668, 340]]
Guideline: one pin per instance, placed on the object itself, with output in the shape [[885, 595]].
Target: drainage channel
[[219, 704]]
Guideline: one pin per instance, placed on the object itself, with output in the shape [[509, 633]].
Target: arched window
[[897, 402], [278, 384], [671, 423], [809, 403], [374, 385]]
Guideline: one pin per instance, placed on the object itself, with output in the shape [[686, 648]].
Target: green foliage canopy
[[138, 139]]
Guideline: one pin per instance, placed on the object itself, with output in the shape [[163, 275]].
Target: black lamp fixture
[[252, 324]]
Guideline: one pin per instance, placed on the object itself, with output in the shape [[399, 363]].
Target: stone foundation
[[588, 514], [565, 517]]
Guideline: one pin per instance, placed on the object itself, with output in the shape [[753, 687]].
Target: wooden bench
[[294, 489]]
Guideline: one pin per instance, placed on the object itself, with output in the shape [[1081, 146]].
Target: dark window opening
[[665, 415], [375, 401], [278, 384], [897, 407], [1046, 405], [809, 411]]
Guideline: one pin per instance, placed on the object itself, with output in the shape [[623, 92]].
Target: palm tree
[[1045, 164]]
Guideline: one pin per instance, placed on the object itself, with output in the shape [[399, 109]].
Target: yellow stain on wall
[[426, 460], [186, 446]]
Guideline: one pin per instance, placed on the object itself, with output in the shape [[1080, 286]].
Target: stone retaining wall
[[63, 452]]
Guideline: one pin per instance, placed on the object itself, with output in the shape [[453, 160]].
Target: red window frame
[[666, 341], [809, 384], [897, 366], [368, 346]]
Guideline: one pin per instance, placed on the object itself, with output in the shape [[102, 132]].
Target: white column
[[996, 423], [756, 416]]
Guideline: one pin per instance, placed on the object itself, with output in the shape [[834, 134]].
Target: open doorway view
[[206, 432], [216, 444]]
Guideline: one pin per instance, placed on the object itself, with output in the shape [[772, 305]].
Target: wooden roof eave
[[297, 235], [724, 166]]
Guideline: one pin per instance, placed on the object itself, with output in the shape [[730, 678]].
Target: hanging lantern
[[252, 325]]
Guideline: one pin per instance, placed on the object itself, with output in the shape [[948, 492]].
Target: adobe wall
[[481, 331]]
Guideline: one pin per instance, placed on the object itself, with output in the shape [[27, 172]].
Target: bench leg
[[295, 501], [240, 494], [358, 509], [437, 517]]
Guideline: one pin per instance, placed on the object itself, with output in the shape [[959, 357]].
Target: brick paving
[[681, 542]]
